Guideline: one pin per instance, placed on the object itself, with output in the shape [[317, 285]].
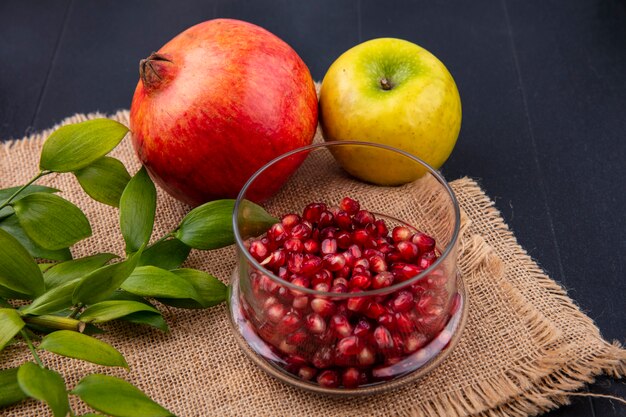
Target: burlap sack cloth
[[526, 345]]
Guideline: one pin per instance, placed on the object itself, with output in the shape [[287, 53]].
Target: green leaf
[[56, 299], [150, 281], [10, 324], [147, 318], [166, 254], [101, 283], [117, 397], [253, 219], [74, 269], [6, 212], [79, 346], [75, 146], [113, 309], [11, 225], [51, 221], [104, 180], [211, 291], [44, 385], [31, 189], [137, 208], [43, 267], [18, 270], [208, 226], [11, 392]]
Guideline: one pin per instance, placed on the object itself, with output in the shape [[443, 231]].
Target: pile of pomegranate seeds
[[344, 341]]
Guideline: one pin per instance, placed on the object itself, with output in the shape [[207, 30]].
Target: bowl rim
[[327, 294]]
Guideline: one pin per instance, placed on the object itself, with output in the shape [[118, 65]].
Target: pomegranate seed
[[349, 205], [340, 281], [269, 301], [426, 259], [275, 312], [344, 239], [343, 272], [290, 220], [381, 228], [294, 262], [334, 261], [402, 302], [289, 323], [322, 287], [327, 337], [329, 246], [322, 276], [286, 347], [277, 233], [301, 231], [269, 285], [267, 332], [315, 323], [377, 263], [275, 260], [401, 234], [393, 256], [327, 233], [339, 288], [403, 323], [371, 229], [258, 250], [356, 303], [343, 221], [311, 264], [300, 281], [298, 338], [300, 302], [366, 357], [340, 324], [430, 324], [270, 245], [414, 341], [360, 281], [328, 378], [404, 271], [323, 306], [293, 245], [323, 357], [296, 360], [313, 211], [311, 246], [348, 346], [350, 259], [374, 310], [383, 338], [363, 217], [363, 239], [307, 373], [368, 253], [351, 377], [382, 279], [426, 304], [424, 242], [384, 247], [360, 270], [387, 320], [362, 262], [408, 250], [362, 328], [326, 219]]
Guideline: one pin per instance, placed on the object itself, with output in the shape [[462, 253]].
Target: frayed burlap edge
[[543, 386]]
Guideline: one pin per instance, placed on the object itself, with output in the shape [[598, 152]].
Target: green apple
[[392, 92]]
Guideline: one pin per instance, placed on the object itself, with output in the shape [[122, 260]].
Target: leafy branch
[[64, 299]]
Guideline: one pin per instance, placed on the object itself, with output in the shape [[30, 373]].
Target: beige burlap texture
[[525, 348]]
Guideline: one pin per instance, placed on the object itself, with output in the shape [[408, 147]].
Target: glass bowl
[[353, 295]]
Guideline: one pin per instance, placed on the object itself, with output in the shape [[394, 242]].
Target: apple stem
[[385, 84]]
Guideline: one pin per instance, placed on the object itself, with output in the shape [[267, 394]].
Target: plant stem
[[56, 322], [32, 348], [76, 310], [162, 238], [19, 190]]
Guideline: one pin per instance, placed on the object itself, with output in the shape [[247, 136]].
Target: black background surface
[[542, 82]]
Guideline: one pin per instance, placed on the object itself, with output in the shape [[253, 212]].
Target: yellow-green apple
[[391, 92], [216, 103]]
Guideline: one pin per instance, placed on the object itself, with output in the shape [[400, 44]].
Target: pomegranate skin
[[215, 104]]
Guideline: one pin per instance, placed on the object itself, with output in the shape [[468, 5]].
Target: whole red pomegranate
[[216, 103]]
